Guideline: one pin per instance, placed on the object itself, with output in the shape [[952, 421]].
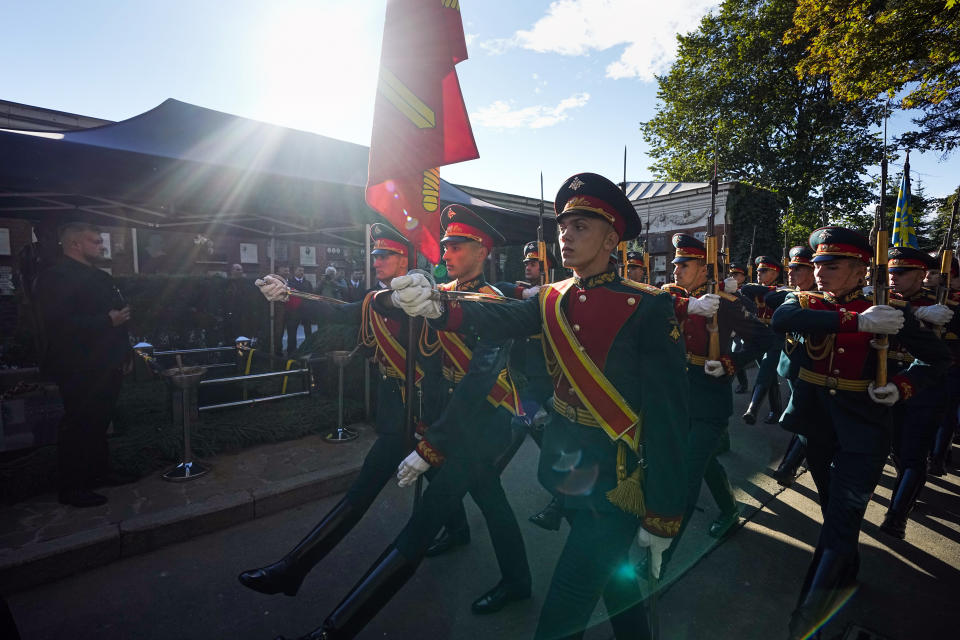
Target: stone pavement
[[42, 540]]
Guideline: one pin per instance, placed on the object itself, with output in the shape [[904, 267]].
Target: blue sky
[[558, 87]]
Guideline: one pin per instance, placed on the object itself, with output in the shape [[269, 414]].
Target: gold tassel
[[628, 494]]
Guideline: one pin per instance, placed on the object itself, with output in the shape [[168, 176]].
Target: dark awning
[[181, 167]]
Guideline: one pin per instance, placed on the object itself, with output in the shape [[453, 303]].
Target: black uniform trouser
[[443, 502], [89, 398], [379, 466], [915, 424], [701, 464], [591, 566]]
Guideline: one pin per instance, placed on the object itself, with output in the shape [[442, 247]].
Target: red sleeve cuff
[[904, 386], [430, 454], [663, 526], [847, 322], [421, 427], [293, 303], [728, 366]]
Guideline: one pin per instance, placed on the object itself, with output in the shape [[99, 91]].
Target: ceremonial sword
[[436, 294]]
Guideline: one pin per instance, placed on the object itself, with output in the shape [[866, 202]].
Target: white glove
[[273, 288], [706, 305], [938, 314], [531, 292], [412, 293], [730, 285], [887, 395], [412, 467], [880, 319], [657, 546], [714, 368], [868, 291]]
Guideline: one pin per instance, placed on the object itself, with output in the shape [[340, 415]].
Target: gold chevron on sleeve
[[431, 189], [452, 4], [405, 101]]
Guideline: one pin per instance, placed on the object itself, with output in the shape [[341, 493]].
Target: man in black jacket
[[84, 321]]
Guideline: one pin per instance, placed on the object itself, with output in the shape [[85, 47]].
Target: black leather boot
[[374, 590], [786, 472], [447, 540], [904, 498], [287, 574], [776, 408], [828, 588], [549, 517], [750, 416], [742, 383]]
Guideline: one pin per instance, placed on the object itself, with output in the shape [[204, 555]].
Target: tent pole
[[368, 259], [273, 269], [136, 250]]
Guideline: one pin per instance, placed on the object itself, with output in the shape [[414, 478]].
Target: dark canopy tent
[[182, 167]]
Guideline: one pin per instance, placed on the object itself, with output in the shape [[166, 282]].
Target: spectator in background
[[234, 309], [87, 348], [294, 317], [329, 286], [356, 288]]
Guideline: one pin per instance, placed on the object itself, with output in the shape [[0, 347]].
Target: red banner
[[420, 122]]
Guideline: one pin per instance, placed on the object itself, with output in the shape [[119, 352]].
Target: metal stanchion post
[[141, 366], [341, 433], [183, 383]]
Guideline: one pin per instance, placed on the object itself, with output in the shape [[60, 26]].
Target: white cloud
[[577, 27], [502, 115]]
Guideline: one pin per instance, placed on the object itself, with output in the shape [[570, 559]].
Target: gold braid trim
[[428, 348], [366, 336], [628, 494]]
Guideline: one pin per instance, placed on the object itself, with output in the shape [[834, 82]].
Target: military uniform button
[[842, 310], [583, 298], [836, 372], [840, 350], [576, 327], [833, 392], [571, 391], [631, 301]]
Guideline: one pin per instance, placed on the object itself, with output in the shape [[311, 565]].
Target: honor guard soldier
[[766, 382], [711, 400], [915, 420], [636, 270], [526, 359], [616, 353], [383, 333], [799, 278], [738, 273], [837, 405], [463, 448], [948, 424]]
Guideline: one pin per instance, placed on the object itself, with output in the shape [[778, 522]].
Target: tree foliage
[[870, 48], [733, 90]]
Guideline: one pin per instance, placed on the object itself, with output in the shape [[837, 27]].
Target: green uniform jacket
[[630, 331]]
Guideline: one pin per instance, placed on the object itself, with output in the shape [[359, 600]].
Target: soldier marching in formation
[[621, 477], [837, 405], [624, 448]]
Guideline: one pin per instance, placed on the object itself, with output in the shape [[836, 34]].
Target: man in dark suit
[[294, 317], [84, 321]]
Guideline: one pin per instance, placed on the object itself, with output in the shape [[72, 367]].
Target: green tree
[[734, 88], [870, 48]]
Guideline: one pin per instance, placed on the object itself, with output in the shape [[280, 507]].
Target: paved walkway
[[42, 540]]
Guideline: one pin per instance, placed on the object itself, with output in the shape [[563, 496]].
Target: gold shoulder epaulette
[[803, 297], [897, 302], [489, 288], [640, 286], [728, 296]]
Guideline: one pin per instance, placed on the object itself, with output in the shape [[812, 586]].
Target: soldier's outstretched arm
[[662, 366], [791, 316], [512, 319], [757, 337], [933, 358]]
